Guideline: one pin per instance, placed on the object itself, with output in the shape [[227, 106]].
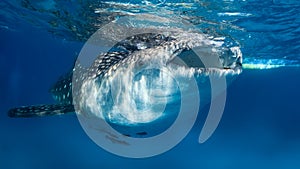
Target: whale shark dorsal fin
[[41, 110]]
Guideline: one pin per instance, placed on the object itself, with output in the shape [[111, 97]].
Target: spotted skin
[[41, 110], [62, 90]]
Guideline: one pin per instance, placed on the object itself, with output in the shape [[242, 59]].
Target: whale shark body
[[126, 52]]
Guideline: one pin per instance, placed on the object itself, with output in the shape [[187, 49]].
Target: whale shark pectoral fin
[[41, 110]]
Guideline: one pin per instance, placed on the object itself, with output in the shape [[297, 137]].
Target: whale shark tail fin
[[41, 110]]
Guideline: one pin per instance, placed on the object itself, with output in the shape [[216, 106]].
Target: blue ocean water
[[261, 122]]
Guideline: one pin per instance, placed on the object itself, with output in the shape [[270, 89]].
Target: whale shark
[[82, 87]]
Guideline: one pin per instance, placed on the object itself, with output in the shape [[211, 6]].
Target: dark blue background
[[259, 129]]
